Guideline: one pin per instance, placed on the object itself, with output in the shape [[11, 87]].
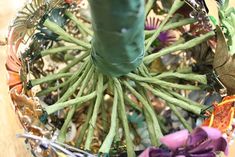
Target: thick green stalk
[[92, 125], [188, 107], [49, 78], [189, 44], [149, 109], [106, 145], [176, 5], [161, 83], [118, 28], [123, 117], [64, 35]]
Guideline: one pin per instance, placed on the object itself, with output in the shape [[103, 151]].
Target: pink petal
[[175, 140], [145, 153]]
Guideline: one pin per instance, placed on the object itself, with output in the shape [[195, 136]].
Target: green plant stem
[[161, 83], [60, 49], [49, 78], [76, 75], [162, 121], [106, 145], [77, 101], [132, 103], [81, 56], [64, 35], [180, 117], [117, 137], [75, 61], [157, 129], [173, 25], [180, 97], [149, 121], [179, 41], [92, 124], [73, 78], [188, 107], [176, 5], [144, 71], [73, 88], [123, 117], [72, 110], [150, 127], [148, 6], [104, 118], [79, 23], [84, 126], [189, 44], [89, 114], [190, 76]]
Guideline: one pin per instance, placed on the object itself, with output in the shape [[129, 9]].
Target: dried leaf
[[224, 63]]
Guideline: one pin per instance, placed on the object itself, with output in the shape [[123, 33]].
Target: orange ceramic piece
[[222, 115], [13, 64]]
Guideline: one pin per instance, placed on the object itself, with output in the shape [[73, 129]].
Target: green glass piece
[[213, 20], [43, 117]]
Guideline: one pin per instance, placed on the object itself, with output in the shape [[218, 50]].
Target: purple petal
[[221, 144], [209, 154], [196, 137], [175, 140], [212, 133], [163, 36], [204, 147], [201, 133], [155, 152], [145, 153], [159, 153], [152, 23], [211, 145]]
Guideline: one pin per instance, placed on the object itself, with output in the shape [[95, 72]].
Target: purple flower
[[202, 142], [165, 37]]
